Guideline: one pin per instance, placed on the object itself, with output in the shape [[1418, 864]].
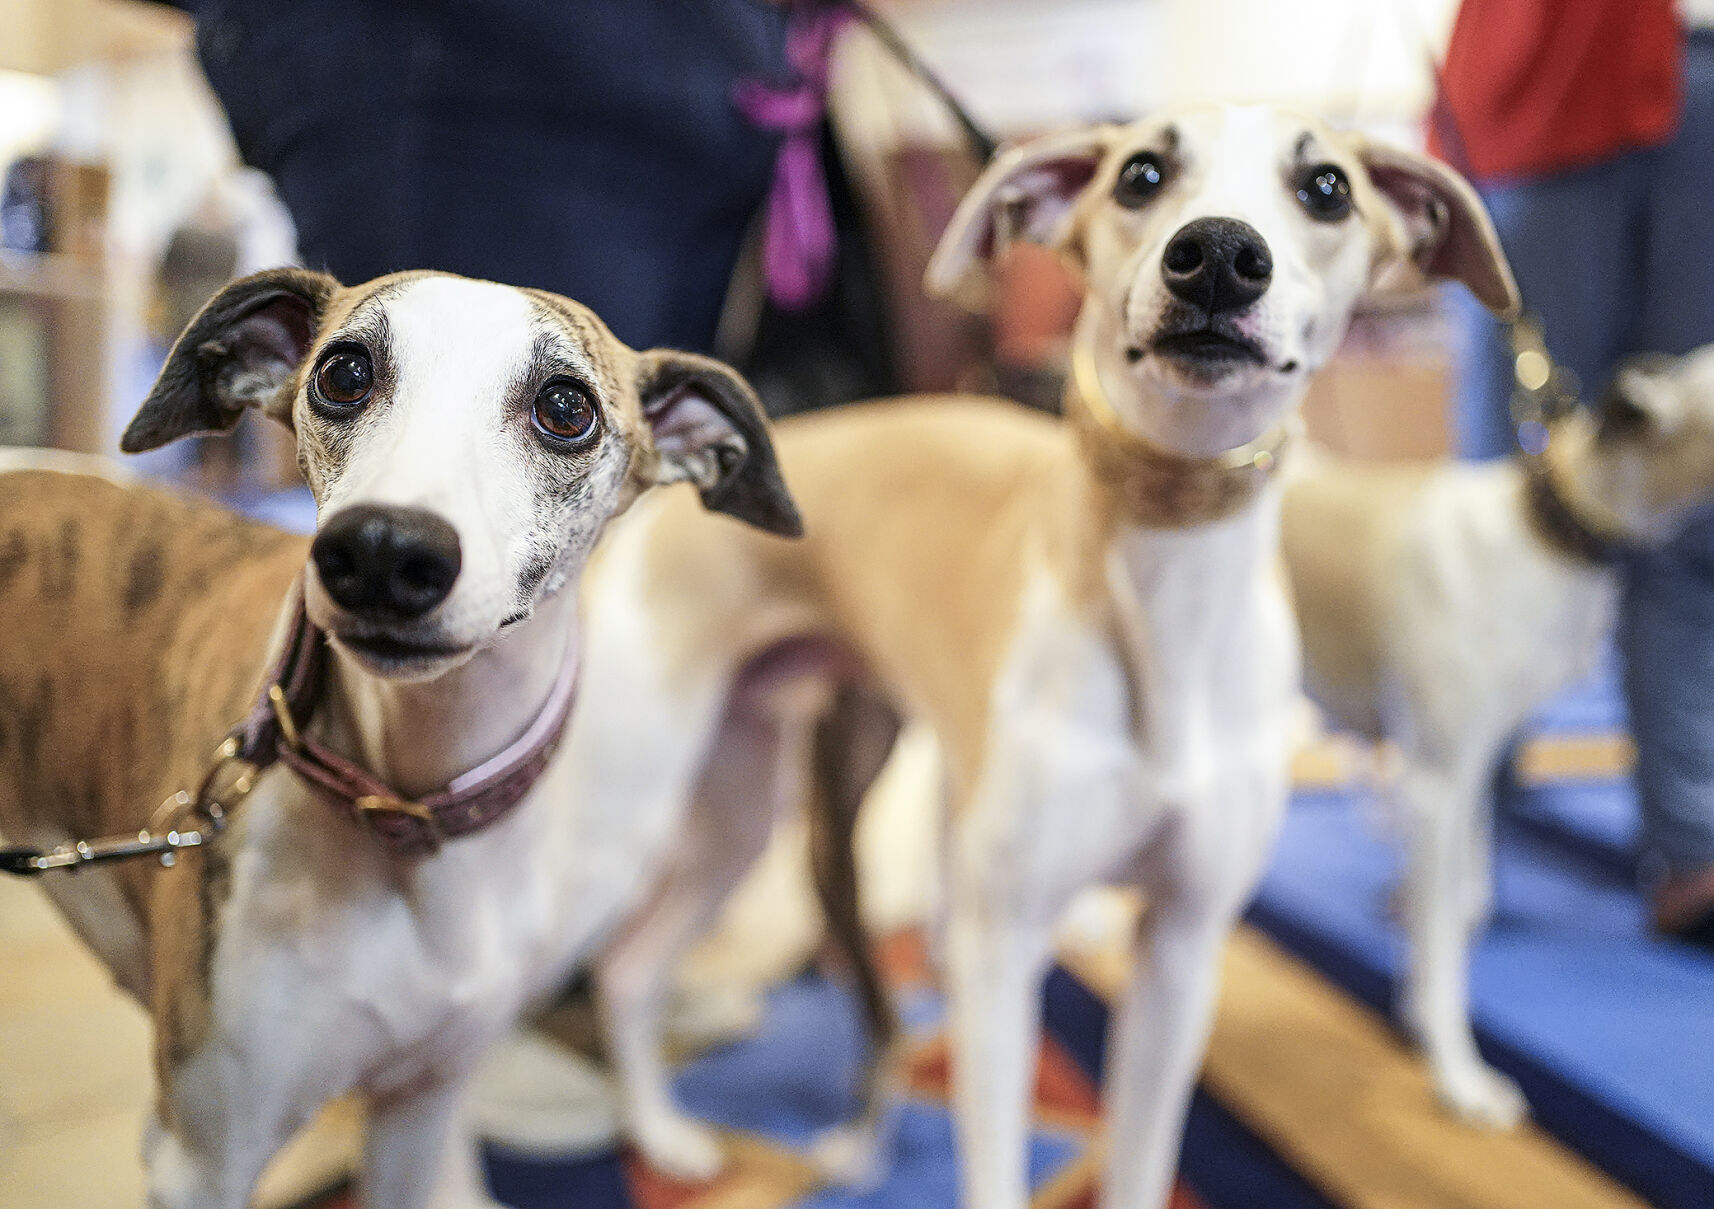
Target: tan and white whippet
[[1088, 612], [378, 910], [1441, 604]]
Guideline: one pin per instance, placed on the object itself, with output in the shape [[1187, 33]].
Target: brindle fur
[[112, 700]]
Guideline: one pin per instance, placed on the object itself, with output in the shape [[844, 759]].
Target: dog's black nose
[[387, 562], [1219, 264]]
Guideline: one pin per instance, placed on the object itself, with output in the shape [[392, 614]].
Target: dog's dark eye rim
[[553, 394], [337, 398], [1324, 190], [1141, 178]]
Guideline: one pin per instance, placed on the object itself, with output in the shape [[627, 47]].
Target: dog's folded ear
[[708, 427], [1446, 228], [1027, 192], [1641, 398], [242, 350]]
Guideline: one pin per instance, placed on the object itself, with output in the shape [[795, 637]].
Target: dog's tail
[[850, 745]]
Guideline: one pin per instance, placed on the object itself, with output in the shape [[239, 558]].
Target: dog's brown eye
[[1325, 191], [1140, 179], [564, 412], [345, 377]]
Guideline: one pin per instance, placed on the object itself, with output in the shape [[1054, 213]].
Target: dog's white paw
[[1481, 1096], [849, 1156], [679, 1147]]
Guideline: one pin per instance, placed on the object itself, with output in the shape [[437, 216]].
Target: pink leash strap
[[799, 243]]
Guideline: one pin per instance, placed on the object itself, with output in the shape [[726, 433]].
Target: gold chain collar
[[1155, 488]]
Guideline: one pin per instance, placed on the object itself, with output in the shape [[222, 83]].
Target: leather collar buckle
[[373, 806]]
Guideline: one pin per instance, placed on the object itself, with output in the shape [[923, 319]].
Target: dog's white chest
[[383, 975], [1207, 636], [1103, 743]]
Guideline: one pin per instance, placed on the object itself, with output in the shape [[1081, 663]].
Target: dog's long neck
[[418, 736], [1155, 503], [1197, 603]]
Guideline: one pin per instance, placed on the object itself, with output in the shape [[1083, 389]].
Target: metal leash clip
[[163, 837], [1542, 390], [230, 779]]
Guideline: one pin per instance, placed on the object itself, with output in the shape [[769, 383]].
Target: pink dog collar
[[409, 827]]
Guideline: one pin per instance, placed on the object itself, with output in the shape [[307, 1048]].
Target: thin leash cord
[[1542, 389], [982, 144]]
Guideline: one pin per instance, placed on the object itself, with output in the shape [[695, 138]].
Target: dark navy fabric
[[589, 147]]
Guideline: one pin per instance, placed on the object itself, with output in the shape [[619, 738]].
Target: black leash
[[184, 820], [982, 144]]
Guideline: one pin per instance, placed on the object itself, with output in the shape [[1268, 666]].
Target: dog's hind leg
[[851, 744], [754, 763], [1442, 808]]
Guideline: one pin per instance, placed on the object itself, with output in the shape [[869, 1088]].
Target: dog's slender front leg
[[996, 962], [222, 1115], [1442, 809], [417, 1154], [632, 982], [189, 1172], [1161, 1027]]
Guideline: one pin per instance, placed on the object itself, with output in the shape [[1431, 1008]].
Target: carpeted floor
[[1310, 1098], [798, 1075]]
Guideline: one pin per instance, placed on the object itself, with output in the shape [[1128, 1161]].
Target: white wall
[[29, 113], [1023, 65]]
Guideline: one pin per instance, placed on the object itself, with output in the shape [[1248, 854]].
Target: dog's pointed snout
[[1218, 264], [386, 561]]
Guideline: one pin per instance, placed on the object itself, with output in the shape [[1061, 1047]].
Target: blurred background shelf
[[52, 277], [55, 325]]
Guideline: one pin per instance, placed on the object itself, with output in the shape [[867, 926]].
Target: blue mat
[[1610, 1031], [798, 1075]]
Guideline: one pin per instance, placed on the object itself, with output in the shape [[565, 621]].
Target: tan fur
[[1339, 533], [137, 626], [926, 594]]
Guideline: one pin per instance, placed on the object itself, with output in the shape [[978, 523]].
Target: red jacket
[[1533, 87]]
